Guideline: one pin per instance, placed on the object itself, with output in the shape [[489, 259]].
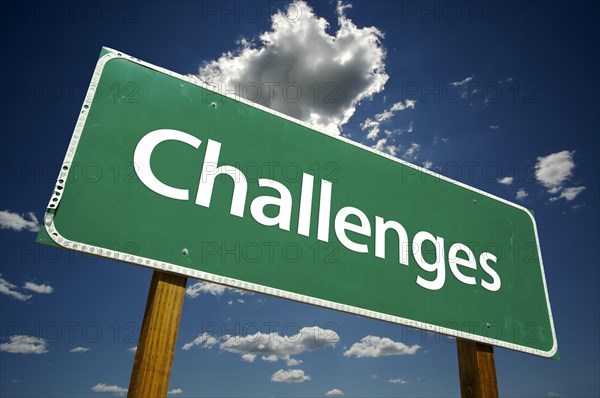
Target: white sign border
[[238, 284]]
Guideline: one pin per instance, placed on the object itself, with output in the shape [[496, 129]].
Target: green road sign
[[164, 172]]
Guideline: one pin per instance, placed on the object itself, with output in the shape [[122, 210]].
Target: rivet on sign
[[474, 201], [213, 105], [185, 251]]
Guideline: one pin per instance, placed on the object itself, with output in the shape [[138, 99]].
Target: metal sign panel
[[165, 172]]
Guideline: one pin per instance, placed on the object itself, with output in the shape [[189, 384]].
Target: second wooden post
[[477, 370], [156, 346]]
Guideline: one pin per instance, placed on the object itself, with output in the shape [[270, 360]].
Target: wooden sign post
[[156, 346], [477, 370]]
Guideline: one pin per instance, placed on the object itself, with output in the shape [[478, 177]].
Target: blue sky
[[501, 96]]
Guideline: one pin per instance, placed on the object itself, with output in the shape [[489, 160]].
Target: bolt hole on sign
[[170, 174]]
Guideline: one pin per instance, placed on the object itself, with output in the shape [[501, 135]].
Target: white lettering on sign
[[141, 160], [347, 219]]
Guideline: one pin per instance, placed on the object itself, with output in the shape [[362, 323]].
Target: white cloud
[[248, 357], [175, 391], [495, 126], [335, 392], [428, 164], [196, 289], [293, 362], [389, 149], [385, 115], [101, 387], [199, 288], [271, 347], [204, 340], [554, 170], [10, 290], [553, 394], [391, 111], [569, 194], [289, 376], [373, 126], [466, 90], [411, 152], [506, 180], [80, 349], [17, 222], [333, 71], [380, 145], [132, 349], [522, 194], [392, 149], [462, 82], [41, 289], [374, 347], [21, 344], [397, 381], [409, 103]]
